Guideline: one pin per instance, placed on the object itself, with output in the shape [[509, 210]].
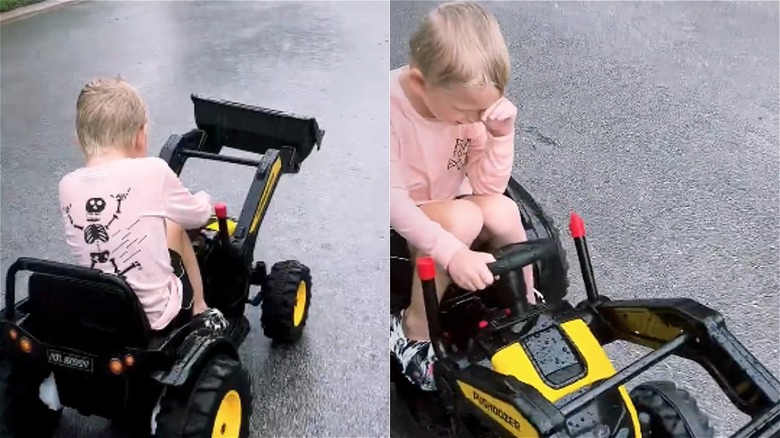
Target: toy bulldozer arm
[[269, 167], [659, 323], [685, 328], [258, 198], [283, 140], [766, 425]]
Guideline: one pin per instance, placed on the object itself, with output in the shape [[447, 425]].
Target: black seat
[[401, 271], [86, 312]]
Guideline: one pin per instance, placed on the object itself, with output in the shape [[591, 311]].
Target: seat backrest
[[86, 314], [401, 273]]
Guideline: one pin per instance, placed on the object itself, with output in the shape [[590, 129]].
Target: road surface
[[658, 123], [329, 60]]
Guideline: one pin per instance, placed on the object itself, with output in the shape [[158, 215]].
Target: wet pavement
[[658, 123], [324, 59]]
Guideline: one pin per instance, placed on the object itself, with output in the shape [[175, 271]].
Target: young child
[[452, 149], [126, 213]]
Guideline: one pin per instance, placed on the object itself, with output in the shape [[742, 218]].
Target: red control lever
[[576, 226], [426, 270], [221, 211], [577, 229]]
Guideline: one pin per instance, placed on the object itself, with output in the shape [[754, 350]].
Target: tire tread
[[279, 295]]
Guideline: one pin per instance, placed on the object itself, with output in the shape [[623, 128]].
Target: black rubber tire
[[554, 281], [279, 298], [669, 412], [22, 413], [190, 411]]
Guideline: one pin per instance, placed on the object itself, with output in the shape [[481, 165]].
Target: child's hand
[[469, 270], [499, 119]]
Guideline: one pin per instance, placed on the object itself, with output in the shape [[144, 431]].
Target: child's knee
[[464, 220], [501, 215]]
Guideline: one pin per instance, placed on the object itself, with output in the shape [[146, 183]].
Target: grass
[[10, 5]]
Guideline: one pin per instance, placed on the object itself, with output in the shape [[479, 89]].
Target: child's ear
[[141, 140], [416, 77]]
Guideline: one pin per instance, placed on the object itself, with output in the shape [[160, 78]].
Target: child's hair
[[461, 43], [109, 113]]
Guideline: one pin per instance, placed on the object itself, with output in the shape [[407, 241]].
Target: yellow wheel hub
[[300, 303], [228, 421]]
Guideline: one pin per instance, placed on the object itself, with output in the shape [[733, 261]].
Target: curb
[[34, 9]]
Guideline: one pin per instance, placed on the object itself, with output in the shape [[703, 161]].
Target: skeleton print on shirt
[[98, 231], [459, 154]]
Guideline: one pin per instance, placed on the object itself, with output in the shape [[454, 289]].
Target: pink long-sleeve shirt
[[434, 161], [114, 215]]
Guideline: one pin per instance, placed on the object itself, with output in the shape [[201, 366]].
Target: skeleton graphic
[[95, 232], [103, 257]]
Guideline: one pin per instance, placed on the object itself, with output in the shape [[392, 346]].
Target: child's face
[[459, 104]]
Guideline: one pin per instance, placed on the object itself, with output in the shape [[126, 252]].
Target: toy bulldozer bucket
[[222, 123]]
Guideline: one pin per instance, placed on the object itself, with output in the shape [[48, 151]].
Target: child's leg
[[503, 226], [460, 218], [416, 320], [409, 339], [179, 241]]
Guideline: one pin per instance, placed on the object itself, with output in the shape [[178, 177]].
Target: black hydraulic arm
[[683, 327], [258, 199]]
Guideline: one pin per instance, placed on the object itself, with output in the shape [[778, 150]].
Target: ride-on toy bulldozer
[[84, 333], [509, 369]]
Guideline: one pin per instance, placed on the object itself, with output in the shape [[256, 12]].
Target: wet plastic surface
[[657, 123], [328, 60]]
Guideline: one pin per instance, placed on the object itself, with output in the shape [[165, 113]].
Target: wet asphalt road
[[658, 123], [329, 60]]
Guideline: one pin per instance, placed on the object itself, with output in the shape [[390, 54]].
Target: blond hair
[[109, 113], [460, 43]]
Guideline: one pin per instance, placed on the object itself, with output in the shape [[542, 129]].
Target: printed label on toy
[[495, 410], [502, 412], [69, 360]]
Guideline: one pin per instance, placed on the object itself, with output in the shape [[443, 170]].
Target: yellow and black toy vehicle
[[508, 369], [83, 335]]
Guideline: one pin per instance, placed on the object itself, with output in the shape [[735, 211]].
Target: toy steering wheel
[[517, 255], [514, 257]]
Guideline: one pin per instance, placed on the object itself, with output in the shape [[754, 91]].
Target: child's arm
[[411, 222], [179, 205], [490, 161]]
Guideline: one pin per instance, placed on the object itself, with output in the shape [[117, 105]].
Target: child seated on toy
[[452, 150], [126, 213]]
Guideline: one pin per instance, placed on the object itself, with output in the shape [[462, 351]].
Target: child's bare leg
[[464, 220], [179, 241], [409, 339], [415, 316], [503, 226]]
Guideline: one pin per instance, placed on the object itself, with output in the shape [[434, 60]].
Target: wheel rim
[[300, 304], [228, 421]]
